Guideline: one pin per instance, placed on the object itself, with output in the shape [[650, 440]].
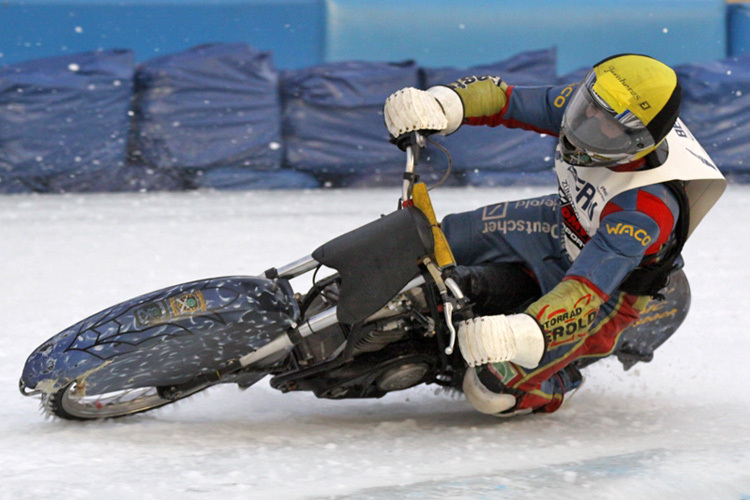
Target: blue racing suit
[[582, 311]]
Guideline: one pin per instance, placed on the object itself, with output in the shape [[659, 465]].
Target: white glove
[[492, 339], [438, 108]]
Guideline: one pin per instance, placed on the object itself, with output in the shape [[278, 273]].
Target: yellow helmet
[[620, 112]]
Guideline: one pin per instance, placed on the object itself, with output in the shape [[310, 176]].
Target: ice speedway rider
[[633, 183]]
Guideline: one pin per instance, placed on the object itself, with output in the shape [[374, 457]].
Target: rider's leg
[[543, 388], [524, 232], [497, 288]]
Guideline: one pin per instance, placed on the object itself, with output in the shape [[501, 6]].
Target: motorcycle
[[383, 321]]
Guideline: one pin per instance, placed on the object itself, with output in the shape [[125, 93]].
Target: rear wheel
[[73, 403]]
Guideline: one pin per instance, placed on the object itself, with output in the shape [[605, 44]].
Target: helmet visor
[[592, 125]]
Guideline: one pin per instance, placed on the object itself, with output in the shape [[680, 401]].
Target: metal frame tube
[[298, 267], [276, 345], [318, 322]]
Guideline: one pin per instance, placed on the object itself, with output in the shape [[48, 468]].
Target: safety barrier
[[222, 116]]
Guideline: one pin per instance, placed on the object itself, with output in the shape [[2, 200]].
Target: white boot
[[482, 399]]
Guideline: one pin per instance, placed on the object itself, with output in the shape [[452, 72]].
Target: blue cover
[[487, 155], [716, 108], [122, 178], [333, 117], [63, 116], [64, 122], [213, 105], [237, 178]]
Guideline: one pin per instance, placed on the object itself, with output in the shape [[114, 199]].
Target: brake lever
[[444, 286]]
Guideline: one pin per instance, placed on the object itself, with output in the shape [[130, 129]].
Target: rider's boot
[[487, 394]]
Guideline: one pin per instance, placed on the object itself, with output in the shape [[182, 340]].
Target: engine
[[392, 350]]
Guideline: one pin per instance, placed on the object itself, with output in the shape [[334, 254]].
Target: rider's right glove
[[491, 339], [435, 110]]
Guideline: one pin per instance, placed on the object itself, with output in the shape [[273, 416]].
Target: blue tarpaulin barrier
[[63, 117], [333, 120], [220, 116], [120, 178], [716, 108], [238, 178], [213, 106]]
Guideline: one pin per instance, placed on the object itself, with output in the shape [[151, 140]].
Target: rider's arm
[[490, 101], [484, 100], [634, 225]]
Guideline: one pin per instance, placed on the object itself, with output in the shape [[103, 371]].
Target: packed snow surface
[[678, 427]]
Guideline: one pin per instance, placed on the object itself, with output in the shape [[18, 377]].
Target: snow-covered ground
[[678, 427]]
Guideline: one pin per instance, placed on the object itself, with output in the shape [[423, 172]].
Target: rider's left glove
[[435, 110], [492, 339]]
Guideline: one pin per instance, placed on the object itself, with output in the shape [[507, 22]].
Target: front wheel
[[140, 354], [72, 402]]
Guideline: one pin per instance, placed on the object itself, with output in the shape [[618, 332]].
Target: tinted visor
[[591, 124]]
